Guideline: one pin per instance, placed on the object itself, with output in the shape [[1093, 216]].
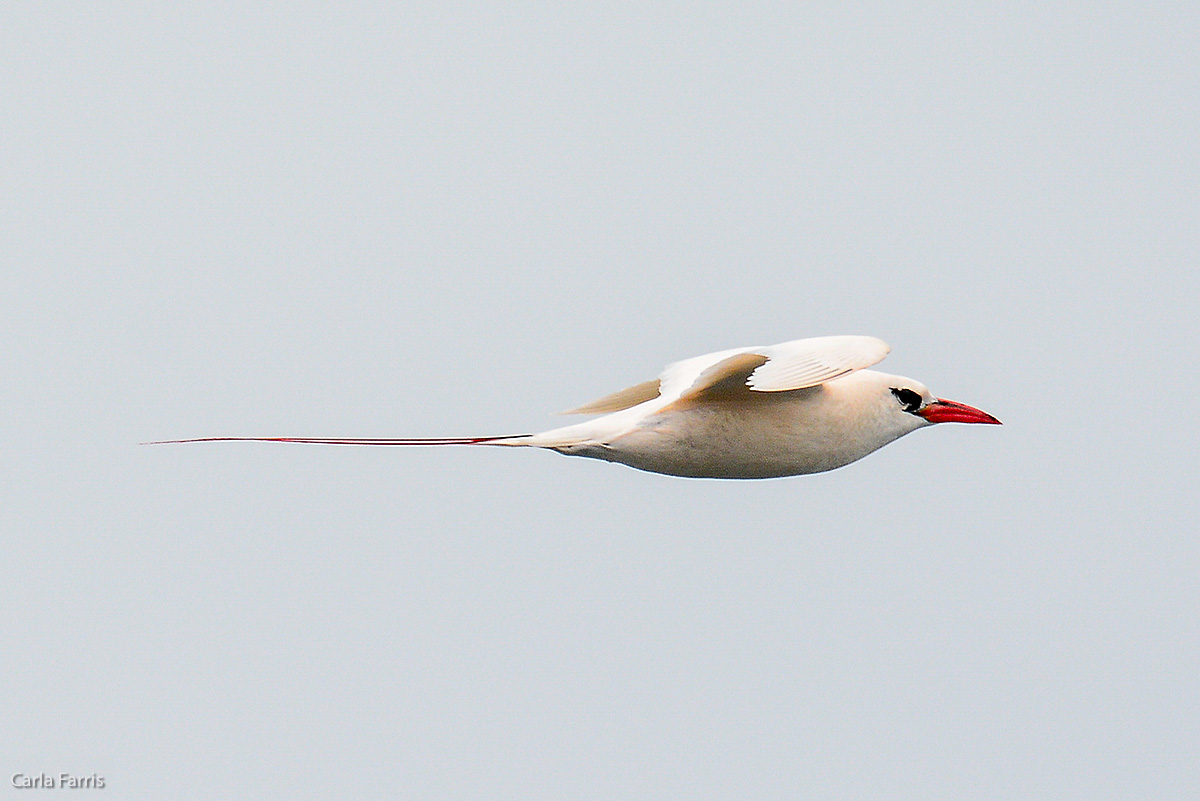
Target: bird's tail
[[511, 441]]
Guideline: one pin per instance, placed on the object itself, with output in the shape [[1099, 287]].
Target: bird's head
[[912, 398], [891, 406], [861, 412]]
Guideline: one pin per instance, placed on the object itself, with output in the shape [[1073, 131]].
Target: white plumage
[[760, 412]]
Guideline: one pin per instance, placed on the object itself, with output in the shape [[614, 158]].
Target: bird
[[799, 407]]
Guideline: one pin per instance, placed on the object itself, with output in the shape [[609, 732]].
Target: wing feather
[[776, 368], [621, 400], [809, 362]]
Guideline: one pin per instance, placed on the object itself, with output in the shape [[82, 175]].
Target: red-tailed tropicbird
[[804, 406]]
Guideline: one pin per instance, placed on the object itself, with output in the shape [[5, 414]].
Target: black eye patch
[[909, 399]]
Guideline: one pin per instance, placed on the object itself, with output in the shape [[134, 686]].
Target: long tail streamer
[[344, 440]]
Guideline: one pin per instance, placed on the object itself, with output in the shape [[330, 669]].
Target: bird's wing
[[673, 381], [624, 399], [792, 365], [775, 368], [808, 362]]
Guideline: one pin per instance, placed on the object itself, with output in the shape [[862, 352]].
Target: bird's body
[[762, 412], [746, 435]]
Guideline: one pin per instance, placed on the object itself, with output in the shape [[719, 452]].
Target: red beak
[[948, 411]]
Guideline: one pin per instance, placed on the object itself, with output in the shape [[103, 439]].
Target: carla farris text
[[26, 781]]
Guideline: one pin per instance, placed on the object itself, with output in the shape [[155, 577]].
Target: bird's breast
[[779, 434]]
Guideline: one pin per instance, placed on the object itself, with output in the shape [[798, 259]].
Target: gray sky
[[429, 219]]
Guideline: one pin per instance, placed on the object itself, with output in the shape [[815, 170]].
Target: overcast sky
[[434, 219]]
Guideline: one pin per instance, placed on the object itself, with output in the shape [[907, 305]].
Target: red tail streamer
[[344, 440]]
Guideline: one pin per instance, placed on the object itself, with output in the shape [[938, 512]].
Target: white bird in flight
[[799, 407]]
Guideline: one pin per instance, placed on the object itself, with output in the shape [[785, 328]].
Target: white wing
[[775, 368], [620, 400], [808, 362]]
